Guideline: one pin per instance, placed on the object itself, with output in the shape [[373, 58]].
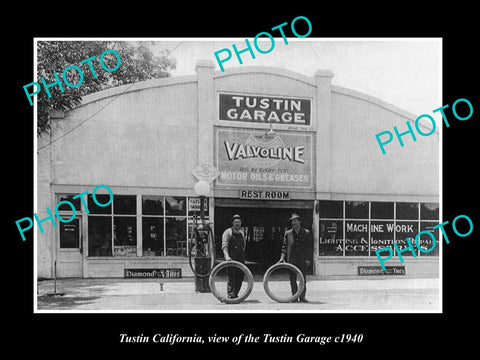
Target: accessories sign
[[256, 158]]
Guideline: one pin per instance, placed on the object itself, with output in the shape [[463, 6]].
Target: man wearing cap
[[297, 248], [233, 247]]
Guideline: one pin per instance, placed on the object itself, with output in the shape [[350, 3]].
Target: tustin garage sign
[[264, 109]]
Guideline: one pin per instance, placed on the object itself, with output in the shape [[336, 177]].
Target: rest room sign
[[254, 158]]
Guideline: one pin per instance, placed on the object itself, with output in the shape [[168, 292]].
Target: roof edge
[[137, 86], [265, 69], [380, 103]]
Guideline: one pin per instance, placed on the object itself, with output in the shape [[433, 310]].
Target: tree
[[138, 63]]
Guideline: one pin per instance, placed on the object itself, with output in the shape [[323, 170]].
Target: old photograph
[[226, 175]]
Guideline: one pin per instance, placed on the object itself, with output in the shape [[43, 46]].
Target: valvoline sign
[[255, 158]]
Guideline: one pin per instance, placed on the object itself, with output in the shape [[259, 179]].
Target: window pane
[[382, 210], [403, 230], [70, 234], [102, 199], [429, 211], [356, 209], [124, 204], [99, 236], [176, 236], [124, 236], [175, 205], [152, 236], [66, 207], [152, 205], [194, 206], [426, 241], [407, 211], [356, 238], [330, 242], [381, 236], [330, 209]]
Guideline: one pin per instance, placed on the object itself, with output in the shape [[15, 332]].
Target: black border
[[91, 334]]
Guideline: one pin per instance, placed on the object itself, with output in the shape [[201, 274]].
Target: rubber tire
[[283, 265], [222, 265]]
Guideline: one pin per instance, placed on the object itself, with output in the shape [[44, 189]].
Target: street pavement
[[369, 294]]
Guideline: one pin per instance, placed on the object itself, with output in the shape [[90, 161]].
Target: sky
[[405, 72]]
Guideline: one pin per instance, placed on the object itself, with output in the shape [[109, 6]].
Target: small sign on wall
[[377, 270], [153, 273], [264, 195]]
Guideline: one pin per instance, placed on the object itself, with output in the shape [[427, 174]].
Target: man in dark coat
[[296, 249], [233, 246]]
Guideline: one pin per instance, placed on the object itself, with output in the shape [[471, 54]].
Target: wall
[[358, 165], [155, 124], [142, 138], [331, 267], [44, 242]]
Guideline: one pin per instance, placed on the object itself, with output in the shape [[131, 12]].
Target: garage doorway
[[264, 228]]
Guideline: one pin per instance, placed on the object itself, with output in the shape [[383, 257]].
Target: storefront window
[[164, 223], [112, 230], [124, 236], [356, 238], [152, 236], [152, 205], [331, 238], [175, 205], [407, 211], [330, 209], [176, 237], [426, 241], [356, 210], [99, 236], [102, 199], [66, 207], [429, 211], [368, 231], [381, 210], [381, 235], [404, 230], [124, 204]]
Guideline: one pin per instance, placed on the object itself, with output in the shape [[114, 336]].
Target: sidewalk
[[350, 295]]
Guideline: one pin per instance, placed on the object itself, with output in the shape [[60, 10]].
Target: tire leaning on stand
[[231, 263], [283, 265]]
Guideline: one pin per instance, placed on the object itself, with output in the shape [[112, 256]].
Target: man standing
[[233, 246], [297, 248]]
